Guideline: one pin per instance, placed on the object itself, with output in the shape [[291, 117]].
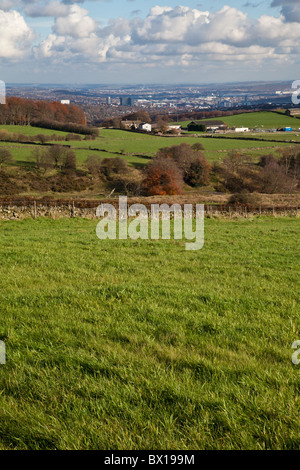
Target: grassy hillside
[[30, 131], [135, 147], [142, 345], [267, 120]]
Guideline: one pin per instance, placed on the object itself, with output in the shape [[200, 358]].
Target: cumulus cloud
[[52, 9], [15, 35], [77, 23], [290, 9], [170, 36], [291, 13], [6, 5]]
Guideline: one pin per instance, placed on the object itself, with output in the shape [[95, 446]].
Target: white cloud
[[165, 24], [15, 35], [54, 8], [8, 4], [168, 37], [77, 23]]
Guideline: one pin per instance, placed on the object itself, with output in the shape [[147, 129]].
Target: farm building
[[241, 129], [144, 126]]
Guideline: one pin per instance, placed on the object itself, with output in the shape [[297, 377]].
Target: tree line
[[22, 112]]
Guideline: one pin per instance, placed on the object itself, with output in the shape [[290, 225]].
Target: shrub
[[236, 173], [162, 177], [69, 164], [275, 179], [67, 127], [93, 164], [245, 198], [195, 168], [112, 166]]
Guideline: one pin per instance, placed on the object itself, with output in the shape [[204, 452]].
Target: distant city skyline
[[134, 41]]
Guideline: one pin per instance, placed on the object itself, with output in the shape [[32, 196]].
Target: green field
[[142, 345], [31, 131], [135, 148], [264, 119]]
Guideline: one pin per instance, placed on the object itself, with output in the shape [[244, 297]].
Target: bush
[[113, 166], [195, 168], [129, 183], [66, 127], [73, 137], [93, 164], [163, 177], [69, 164], [275, 179], [237, 173], [245, 198]]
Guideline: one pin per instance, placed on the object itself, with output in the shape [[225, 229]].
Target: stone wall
[[33, 211], [69, 210]]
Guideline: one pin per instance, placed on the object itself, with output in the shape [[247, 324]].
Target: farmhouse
[[144, 126]]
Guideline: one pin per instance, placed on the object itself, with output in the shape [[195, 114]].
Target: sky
[[148, 41]]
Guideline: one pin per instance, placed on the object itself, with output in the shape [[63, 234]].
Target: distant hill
[[264, 120]]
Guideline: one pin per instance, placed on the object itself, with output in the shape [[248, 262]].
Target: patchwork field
[[143, 345], [137, 149]]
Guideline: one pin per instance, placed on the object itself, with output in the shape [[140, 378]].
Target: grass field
[[142, 345], [264, 119], [135, 147], [30, 131]]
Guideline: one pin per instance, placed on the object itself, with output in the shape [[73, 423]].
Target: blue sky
[[135, 41]]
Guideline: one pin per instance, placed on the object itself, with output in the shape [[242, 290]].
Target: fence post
[[73, 209], [34, 209]]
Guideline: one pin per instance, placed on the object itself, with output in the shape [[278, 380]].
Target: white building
[[242, 129], [145, 127], [65, 101]]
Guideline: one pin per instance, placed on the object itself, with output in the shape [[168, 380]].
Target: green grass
[[265, 119], [30, 131], [143, 345], [136, 148], [136, 145]]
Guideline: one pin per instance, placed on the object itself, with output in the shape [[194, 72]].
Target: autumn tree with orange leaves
[[163, 177], [19, 111]]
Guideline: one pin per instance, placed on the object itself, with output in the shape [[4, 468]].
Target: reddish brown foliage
[[19, 111], [163, 177]]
